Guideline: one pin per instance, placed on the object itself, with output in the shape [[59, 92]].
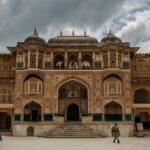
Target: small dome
[[34, 38], [110, 38], [73, 40]]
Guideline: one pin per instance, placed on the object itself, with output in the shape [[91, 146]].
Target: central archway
[[73, 112], [72, 96]]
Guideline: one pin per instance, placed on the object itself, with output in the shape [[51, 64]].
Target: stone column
[[66, 60], [24, 59], [28, 58], [42, 115], [117, 65], [37, 56], [79, 60], [102, 63], [22, 116], [122, 59], [93, 60], [11, 111], [108, 55], [123, 113], [52, 59]]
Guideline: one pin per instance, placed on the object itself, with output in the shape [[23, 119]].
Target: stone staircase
[[72, 131]]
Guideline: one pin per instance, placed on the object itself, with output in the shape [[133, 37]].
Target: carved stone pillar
[[28, 58], [37, 56], [66, 60], [93, 60], [117, 54], [108, 55], [52, 60], [79, 60]]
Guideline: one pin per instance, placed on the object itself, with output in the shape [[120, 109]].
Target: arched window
[[59, 61], [5, 96], [86, 61], [112, 86], [113, 111], [141, 96], [73, 61], [33, 55], [33, 86]]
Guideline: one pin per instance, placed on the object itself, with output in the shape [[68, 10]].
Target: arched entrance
[[30, 131], [113, 112], [73, 112], [72, 96], [32, 112]]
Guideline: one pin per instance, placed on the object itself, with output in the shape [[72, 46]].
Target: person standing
[[0, 136], [115, 133]]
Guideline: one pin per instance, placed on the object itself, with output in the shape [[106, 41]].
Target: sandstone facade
[[74, 79]]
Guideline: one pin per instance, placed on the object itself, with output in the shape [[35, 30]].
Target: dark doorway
[[144, 118], [35, 115], [73, 112], [5, 121], [137, 120], [30, 131]]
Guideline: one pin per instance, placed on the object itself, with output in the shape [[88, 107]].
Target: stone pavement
[[36, 143]]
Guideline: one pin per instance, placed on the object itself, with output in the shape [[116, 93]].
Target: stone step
[[72, 130], [58, 136], [67, 133]]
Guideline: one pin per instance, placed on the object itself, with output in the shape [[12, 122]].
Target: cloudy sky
[[128, 19]]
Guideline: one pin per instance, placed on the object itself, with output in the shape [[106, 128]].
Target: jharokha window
[[112, 86], [33, 86], [5, 96]]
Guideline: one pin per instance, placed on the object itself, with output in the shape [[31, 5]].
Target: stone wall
[[126, 128]]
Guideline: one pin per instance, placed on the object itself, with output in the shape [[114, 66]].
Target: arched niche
[[112, 86], [59, 61], [32, 112], [73, 61], [141, 96], [86, 61], [33, 84], [30, 131], [113, 111]]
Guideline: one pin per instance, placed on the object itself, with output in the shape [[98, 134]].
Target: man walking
[[115, 133], [0, 136]]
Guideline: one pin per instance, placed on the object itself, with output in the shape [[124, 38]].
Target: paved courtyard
[[35, 143]]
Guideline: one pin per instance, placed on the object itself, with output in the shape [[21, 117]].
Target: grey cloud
[[20, 17]]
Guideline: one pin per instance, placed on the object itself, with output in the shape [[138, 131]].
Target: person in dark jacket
[[0, 136], [115, 133]]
